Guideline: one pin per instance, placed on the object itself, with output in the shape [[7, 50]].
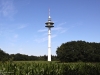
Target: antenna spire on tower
[[49, 13]]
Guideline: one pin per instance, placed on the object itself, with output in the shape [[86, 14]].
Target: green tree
[[3, 56], [78, 51]]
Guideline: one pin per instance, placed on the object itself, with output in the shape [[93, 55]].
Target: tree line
[[22, 57], [74, 51]]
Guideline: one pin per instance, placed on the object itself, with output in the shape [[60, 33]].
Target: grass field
[[48, 68]]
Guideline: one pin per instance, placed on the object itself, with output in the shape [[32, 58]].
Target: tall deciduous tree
[[78, 51]]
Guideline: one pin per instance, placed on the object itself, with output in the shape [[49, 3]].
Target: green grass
[[49, 68]]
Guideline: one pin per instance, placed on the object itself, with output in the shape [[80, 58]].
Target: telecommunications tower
[[49, 25]]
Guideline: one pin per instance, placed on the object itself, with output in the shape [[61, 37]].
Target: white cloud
[[62, 24], [43, 39], [53, 36], [7, 8], [63, 31], [57, 28], [40, 40], [42, 30], [22, 26]]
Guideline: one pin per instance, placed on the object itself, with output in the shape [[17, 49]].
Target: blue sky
[[22, 24]]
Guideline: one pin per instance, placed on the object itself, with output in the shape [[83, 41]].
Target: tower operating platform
[[49, 23]]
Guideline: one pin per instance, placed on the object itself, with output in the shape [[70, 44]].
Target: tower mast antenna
[[49, 25], [49, 13]]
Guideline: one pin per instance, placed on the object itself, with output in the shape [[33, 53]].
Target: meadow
[[48, 68]]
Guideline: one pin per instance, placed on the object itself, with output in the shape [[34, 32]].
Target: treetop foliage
[[79, 51]]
